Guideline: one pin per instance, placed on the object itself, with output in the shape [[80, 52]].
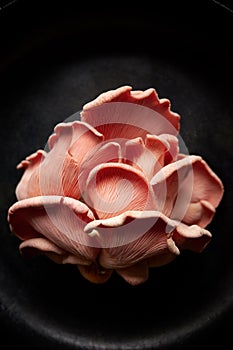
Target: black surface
[[54, 58]]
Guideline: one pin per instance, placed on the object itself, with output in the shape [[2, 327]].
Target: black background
[[56, 56]]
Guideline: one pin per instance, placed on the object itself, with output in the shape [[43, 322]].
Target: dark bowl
[[55, 58]]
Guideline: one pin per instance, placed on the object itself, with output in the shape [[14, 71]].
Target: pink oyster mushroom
[[114, 193]]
